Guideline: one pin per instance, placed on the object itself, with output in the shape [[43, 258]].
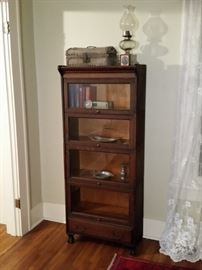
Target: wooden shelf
[[89, 175], [119, 142], [102, 210]]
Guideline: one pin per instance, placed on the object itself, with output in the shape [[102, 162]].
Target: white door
[[13, 158]]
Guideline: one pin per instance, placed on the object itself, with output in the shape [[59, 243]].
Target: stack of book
[[79, 93]]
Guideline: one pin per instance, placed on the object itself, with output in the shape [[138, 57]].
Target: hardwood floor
[[46, 248], [6, 241]]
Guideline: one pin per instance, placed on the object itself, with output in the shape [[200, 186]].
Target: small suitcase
[[95, 56]]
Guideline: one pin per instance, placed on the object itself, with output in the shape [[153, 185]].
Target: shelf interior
[[102, 203], [116, 94], [81, 161], [86, 128], [90, 175]]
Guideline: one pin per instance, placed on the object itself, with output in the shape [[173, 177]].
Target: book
[[71, 95], [82, 95], [91, 92], [79, 93]]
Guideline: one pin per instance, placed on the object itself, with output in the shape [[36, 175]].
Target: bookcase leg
[[70, 238], [132, 251]]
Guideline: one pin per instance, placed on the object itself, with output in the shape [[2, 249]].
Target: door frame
[[20, 187]]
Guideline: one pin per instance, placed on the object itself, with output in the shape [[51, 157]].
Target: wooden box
[[102, 56]]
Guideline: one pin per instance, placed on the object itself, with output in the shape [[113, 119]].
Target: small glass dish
[[103, 174], [97, 138]]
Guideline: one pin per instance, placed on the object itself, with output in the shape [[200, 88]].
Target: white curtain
[[182, 236]]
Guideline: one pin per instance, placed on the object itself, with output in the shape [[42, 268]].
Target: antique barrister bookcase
[[104, 119]]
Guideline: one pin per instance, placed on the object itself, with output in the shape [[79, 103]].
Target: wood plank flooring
[[6, 241], [46, 248]]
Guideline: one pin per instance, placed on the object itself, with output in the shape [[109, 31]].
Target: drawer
[[116, 233]]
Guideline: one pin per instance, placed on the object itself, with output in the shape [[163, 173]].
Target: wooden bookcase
[[104, 118]]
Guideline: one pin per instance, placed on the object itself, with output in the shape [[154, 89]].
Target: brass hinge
[[6, 28], [17, 203]]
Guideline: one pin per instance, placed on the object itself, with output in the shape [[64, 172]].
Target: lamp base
[[128, 59]]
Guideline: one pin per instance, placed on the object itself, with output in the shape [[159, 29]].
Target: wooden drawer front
[[119, 234]]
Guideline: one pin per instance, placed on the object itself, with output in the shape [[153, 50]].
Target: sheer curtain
[[182, 236]]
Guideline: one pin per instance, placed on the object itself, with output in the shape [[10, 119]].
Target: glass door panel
[[99, 96], [99, 202], [99, 130], [99, 165]]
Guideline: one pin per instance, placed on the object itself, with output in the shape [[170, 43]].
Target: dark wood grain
[[125, 86]]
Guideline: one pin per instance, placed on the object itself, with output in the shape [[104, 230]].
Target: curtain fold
[[182, 236]]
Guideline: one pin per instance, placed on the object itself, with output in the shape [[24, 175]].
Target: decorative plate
[[97, 138], [103, 175]]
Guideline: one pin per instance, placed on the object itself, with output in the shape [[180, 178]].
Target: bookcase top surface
[[63, 68]]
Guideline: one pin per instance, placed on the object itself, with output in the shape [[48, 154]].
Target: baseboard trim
[[36, 215], [153, 229], [56, 212]]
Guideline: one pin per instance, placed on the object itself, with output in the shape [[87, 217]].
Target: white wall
[[31, 99], [59, 25]]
